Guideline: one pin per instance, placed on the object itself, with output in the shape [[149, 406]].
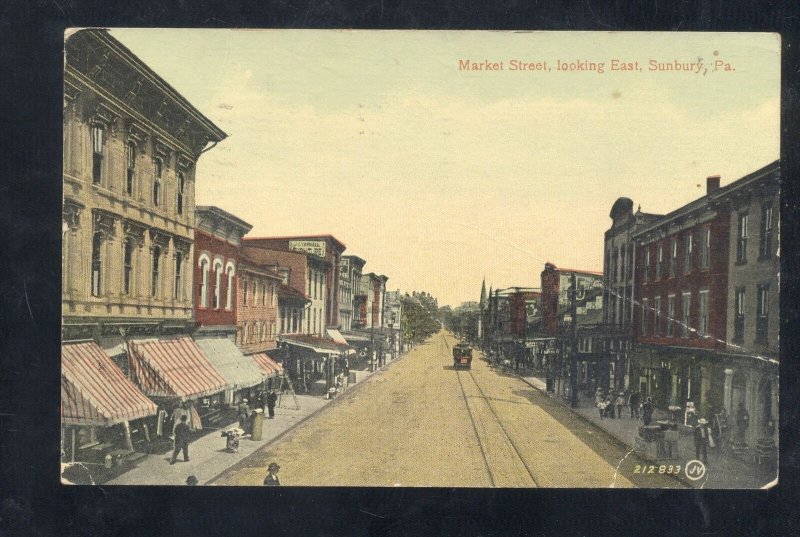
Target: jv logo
[[695, 470]]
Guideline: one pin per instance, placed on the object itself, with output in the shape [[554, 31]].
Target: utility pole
[[573, 366]]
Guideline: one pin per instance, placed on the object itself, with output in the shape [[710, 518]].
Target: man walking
[[633, 401], [181, 440], [702, 439], [272, 476], [243, 413], [647, 411], [271, 400]]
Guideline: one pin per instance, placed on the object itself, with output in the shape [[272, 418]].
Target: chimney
[[712, 183]]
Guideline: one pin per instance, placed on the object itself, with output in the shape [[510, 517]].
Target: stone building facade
[[131, 143]]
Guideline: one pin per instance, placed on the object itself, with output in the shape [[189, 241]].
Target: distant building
[[349, 284], [612, 372]]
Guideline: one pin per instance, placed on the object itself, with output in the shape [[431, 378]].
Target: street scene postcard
[[420, 259]]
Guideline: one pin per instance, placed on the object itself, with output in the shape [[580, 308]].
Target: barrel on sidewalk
[[258, 424]]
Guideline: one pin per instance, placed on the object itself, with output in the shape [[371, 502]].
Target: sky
[[439, 176]]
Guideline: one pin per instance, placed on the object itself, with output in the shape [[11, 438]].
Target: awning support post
[[128, 441]]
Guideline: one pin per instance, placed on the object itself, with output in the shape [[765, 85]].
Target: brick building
[[681, 320], [257, 306], [218, 240]]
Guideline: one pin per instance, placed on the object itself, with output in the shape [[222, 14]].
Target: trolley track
[[484, 448]]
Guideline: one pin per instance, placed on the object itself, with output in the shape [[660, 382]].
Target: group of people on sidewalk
[[611, 406], [264, 400]]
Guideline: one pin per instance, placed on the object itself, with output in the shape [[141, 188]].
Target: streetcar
[[462, 356]]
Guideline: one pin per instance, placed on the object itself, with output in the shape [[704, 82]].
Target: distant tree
[[420, 314]]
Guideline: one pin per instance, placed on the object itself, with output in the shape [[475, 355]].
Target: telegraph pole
[[573, 366]]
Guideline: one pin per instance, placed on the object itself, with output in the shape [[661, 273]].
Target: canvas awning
[[317, 344], [94, 391], [270, 367], [174, 368], [336, 336], [237, 369]]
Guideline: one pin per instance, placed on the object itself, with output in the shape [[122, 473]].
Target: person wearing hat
[[619, 403], [702, 439], [272, 398], [181, 440], [191, 480], [243, 412], [272, 476], [647, 411]]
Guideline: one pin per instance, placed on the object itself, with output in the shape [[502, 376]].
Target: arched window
[[156, 269], [217, 283], [204, 282], [97, 153], [97, 265], [131, 168], [159, 170], [229, 290], [127, 264], [181, 186]]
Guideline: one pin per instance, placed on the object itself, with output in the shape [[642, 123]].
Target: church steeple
[[483, 293]]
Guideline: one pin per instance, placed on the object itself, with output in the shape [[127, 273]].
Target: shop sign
[[310, 247]]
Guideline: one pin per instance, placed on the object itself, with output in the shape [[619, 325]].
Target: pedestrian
[[181, 440], [191, 480], [598, 395], [601, 406], [633, 401], [272, 476], [702, 439], [272, 398], [243, 412], [647, 411], [609, 407], [742, 422], [620, 402]]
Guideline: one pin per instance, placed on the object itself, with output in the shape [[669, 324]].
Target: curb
[[614, 437]]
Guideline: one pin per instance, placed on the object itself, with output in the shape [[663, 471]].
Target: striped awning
[[174, 368], [94, 391], [237, 369], [270, 367]]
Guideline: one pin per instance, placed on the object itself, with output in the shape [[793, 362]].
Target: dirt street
[[421, 423]]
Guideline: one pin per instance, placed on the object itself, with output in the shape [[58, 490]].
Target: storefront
[[179, 378], [101, 409], [311, 358], [243, 376], [272, 370]]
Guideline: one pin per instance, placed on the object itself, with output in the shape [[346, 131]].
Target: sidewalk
[[207, 455], [723, 470]]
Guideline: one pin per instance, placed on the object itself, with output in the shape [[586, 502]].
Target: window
[[314, 331], [154, 275], [687, 253], [254, 301], [244, 293], [283, 321], [263, 330], [229, 290], [646, 274], [263, 294], [97, 265], [673, 257], [686, 306], [272, 294], [660, 261], [738, 320], [670, 315], [765, 237], [97, 154], [181, 186], [310, 275], [131, 168], [204, 267], [178, 292], [762, 314], [245, 332], [272, 330], [741, 242], [705, 249], [622, 255], [645, 315], [217, 284], [127, 264], [702, 312], [159, 165], [657, 317]]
